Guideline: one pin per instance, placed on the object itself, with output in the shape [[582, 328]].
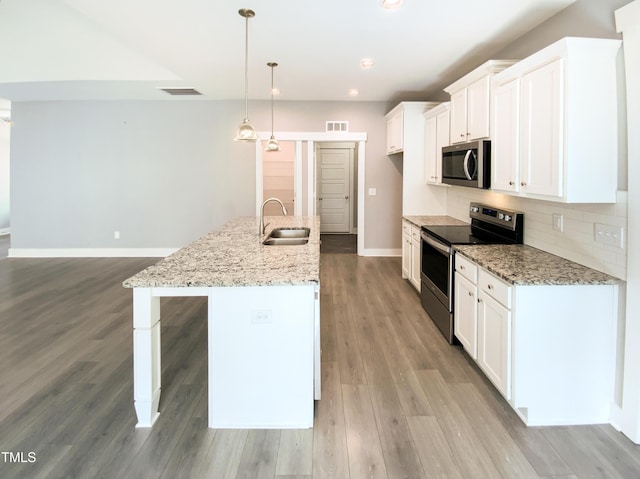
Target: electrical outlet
[[557, 222], [261, 316], [372, 192], [609, 234]]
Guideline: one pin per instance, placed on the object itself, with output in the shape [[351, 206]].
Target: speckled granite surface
[[235, 256], [433, 220], [525, 265]]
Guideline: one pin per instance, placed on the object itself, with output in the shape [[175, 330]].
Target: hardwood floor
[[338, 243], [397, 400], [5, 242]]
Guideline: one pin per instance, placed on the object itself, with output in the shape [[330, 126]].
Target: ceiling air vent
[[332, 126], [181, 91]]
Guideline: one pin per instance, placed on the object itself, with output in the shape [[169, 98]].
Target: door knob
[[346, 197]]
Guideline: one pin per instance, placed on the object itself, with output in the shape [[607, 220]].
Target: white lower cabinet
[[415, 257], [548, 349], [406, 250], [411, 253], [466, 323], [494, 342]]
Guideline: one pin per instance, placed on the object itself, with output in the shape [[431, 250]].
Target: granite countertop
[[526, 265], [235, 256], [434, 220]]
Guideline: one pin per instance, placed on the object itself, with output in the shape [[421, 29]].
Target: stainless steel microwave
[[467, 164]]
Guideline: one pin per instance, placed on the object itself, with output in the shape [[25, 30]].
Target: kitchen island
[[263, 324]]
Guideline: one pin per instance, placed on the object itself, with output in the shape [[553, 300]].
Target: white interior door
[[333, 189]]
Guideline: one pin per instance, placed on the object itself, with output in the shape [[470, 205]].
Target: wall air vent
[[333, 126], [181, 91]]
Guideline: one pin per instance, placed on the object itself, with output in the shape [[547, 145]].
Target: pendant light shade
[[272, 144], [246, 131]]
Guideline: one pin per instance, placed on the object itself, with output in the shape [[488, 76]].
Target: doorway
[[335, 197], [305, 173], [278, 178]]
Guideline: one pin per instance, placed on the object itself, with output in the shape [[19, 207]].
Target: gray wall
[[162, 173]]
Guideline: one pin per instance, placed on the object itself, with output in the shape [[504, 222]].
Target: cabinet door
[[415, 263], [442, 140], [494, 342], [465, 320], [395, 133], [430, 151], [406, 255], [541, 131], [458, 133], [478, 109], [504, 143]]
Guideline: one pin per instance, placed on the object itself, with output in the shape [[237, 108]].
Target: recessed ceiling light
[[366, 63], [392, 4], [354, 92]]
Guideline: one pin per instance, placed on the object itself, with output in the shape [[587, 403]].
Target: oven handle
[[444, 249]]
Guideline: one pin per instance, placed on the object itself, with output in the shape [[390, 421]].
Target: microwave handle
[[465, 164]]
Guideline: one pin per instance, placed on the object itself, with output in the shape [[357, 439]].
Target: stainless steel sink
[[290, 233], [271, 241]]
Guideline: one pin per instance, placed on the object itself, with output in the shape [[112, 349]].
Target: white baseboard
[[381, 252], [90, 252]]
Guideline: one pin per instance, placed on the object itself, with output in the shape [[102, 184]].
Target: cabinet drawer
[[467, 268], [415, 234], [406, 227], [495, 287]]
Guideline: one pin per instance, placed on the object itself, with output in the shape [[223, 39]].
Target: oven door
[[435, 270]]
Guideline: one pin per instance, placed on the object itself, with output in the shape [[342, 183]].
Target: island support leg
[[146, 356]]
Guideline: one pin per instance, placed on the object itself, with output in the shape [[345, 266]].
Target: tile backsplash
[[575, 242]]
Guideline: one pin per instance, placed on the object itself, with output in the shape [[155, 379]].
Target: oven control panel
[[505, 218]]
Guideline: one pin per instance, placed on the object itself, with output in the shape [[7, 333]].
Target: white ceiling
[[126, 49]]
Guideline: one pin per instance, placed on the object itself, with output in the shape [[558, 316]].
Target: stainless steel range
[[489, 225]]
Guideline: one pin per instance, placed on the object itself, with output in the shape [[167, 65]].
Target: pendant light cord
[[246, 67], [272, 101]]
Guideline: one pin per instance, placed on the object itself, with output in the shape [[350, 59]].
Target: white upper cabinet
[[436, 136], [505, 136], [554, 123], [471, 100], [395, 131], [417, 197]]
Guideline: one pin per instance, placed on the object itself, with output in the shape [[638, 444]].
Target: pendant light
[[272, 144], [246, 131]]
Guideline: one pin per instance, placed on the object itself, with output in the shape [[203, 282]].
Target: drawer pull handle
[[489, 286], [461, 266], [470, 293]]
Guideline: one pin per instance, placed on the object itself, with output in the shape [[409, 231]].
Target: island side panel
[[261, 357], [317, 350], [564, 354], [146, 356]]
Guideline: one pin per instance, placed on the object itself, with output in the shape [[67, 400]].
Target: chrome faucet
[[262, 226]]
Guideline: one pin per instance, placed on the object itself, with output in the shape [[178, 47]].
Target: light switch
[[372, 192]]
